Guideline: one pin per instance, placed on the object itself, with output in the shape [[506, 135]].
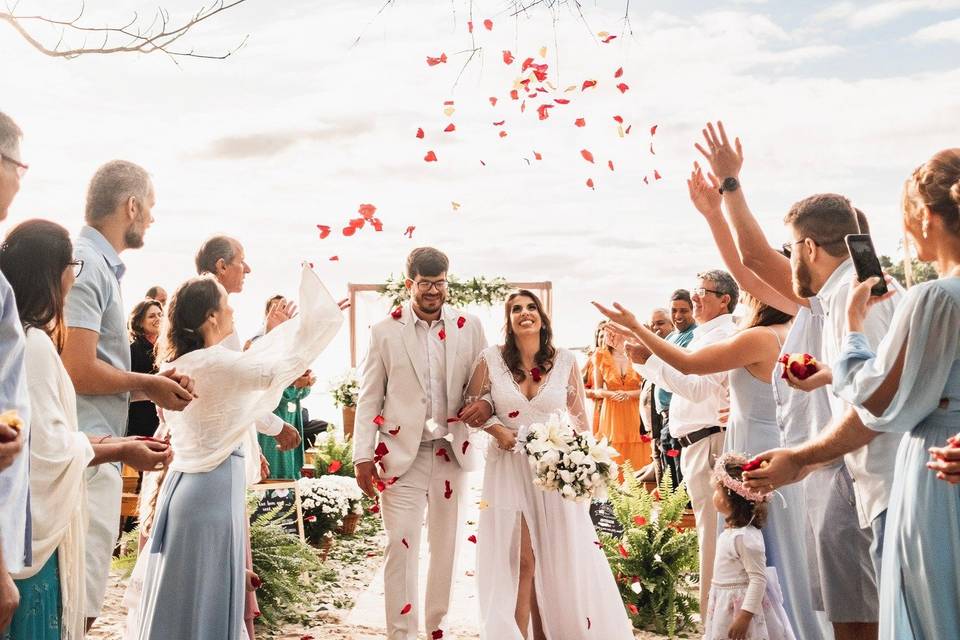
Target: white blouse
[[234, 388]]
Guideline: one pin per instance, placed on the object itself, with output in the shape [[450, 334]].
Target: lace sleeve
[[576, 398], [479, 388]]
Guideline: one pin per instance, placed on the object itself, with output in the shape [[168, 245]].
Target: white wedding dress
[[576, 593]]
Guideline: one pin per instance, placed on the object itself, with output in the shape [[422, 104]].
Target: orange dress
[[591, 384], [620, 421]]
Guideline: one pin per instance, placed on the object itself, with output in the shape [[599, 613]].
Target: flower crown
[[720, 475]]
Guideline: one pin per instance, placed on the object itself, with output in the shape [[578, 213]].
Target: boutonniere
[[801, 365]]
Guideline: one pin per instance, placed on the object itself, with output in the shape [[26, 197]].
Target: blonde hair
[[936, 184]]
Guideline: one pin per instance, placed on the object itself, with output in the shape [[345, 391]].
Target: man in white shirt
[[699, 408]]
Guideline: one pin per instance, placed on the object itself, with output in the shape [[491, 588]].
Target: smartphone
[[865, 261]]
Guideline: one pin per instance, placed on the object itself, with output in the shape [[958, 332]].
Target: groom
[[410, 444]]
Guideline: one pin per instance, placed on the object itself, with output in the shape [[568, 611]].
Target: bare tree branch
[[151, 39]]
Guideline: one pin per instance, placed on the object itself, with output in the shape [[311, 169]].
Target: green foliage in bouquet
[[480, 291], [284, 563], [333, 457], [655, 562]]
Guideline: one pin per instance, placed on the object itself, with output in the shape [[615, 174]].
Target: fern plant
[[655, 562], [333, 456]]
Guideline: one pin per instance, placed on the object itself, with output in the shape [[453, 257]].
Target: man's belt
[[697, 436], [665, 415]]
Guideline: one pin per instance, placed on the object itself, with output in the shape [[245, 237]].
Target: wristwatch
[[729, 184]]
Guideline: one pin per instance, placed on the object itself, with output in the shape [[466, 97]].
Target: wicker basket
[[350, 523]]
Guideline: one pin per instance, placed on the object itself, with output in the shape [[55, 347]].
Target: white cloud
[[874, 15], [947, 31]]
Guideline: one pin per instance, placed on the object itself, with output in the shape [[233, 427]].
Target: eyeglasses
[[77, 267], [701, 291], [787, 248], [21, 168], [425, 285]]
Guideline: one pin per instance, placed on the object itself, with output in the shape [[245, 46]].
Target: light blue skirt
[[920, 577], [194, 584], [38, 616]]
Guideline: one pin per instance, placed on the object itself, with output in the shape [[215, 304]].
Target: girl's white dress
[[741, 580], [576, 593]]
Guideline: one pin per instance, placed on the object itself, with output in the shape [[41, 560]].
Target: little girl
[[745, 599]]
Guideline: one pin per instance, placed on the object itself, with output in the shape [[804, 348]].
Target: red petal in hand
[[656, 175], [590, 182], [537, 156], [406, 609], [618, 119], [409, 232], [610, 164], [450, 127], [586, 155], [653, 130], [420, 133], [507, 57], [493, 101], [623, 86], [587, 84], [367, 211], [618, 72], [580, 122], [324, 230], [430, 157], [488, 24]]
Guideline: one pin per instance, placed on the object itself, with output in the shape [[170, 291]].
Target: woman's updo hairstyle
[[936, 184]]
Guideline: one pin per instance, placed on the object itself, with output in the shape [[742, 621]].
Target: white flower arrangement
[[345, 389], [324, 506], [566, 460], [347, 487]]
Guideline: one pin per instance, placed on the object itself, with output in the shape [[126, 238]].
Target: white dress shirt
[[699, 401], [428, 334], [872, 465]]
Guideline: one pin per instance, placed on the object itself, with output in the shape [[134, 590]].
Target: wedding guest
[[157, 293], [789, 415], [594, 393], [619, 385], [144, 329], [195, 569], [681, 314], [700, 404], [818, 273], [37, 257], [287, 464], [661, 325], [909, 386], [15, 522], [96, 353]]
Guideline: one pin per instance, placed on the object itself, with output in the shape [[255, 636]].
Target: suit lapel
[[450, 351], [412, 344]]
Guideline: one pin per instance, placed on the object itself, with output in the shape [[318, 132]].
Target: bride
[[540, 572]]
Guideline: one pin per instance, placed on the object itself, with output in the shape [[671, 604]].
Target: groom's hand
[[476, 413], [367, 477]]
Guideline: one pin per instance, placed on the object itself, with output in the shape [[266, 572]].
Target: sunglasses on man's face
[[21, 167]]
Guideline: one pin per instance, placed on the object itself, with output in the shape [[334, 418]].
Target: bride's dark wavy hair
[[511, 352]]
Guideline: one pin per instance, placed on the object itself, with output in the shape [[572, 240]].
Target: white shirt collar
[[835, 281], [710, 325]]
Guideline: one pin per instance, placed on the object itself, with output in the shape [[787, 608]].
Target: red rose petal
[[349, 231], [590, 183], [656, 175], [542, 111], [367, 211], [409, 232], [588, 619], [493, 101], [395, 431], [334, 258], [392, 480], [623, 551], [381, 449], [324, 230], [586, 155], [610, 164], [628, 129], [580, 122], [652, 152], [406, 609], [503, 134], [673, 453], [537, 156], [513, 414], [397, 313], [466, 444], [377, 224], [488, 24], [436, 635], [507, 57], [381, 486], [515, 95], [447, 491], [450, 127], [653, 130], [379, 421], [618, 72], [472, 538], [375, 508], [500, 123], [405, 543], [334, 466], [645, 181], [470, 26], [752, 464], [618, 119], [608, 39], [587, 84], [561, 101], [430, 157], [460, 322], [645, 438], [452, 420], [633, 609], [435, 61], [640, 520], [623, 86]]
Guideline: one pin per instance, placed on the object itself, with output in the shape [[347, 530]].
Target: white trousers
[[104, 490], [438, 486], [696, 462]]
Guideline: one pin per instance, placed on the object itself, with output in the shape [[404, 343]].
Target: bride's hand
[[506, 438]]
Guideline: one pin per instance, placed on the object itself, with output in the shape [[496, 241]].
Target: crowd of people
[[861, 538]]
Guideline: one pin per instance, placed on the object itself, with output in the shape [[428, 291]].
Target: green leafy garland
[[655, 562], [480, 291]]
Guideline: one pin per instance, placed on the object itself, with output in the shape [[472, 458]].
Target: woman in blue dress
[[911, 385]]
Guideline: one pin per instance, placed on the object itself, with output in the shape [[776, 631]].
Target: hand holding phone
[[865, 261]]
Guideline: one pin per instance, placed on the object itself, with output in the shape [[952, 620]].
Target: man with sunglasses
[[15, 525], [846, 500], [412, 439]]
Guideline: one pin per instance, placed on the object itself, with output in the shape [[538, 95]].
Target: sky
[[317, 113]]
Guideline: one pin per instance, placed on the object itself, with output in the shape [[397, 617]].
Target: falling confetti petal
[[436, 635], [645, 180], [406, 609], [572, 87], [442, 335], [455, 205], [543, 52], [610, 164], [448, 111], [507, 57], [349, 231], [542, 111], [435, 61], [503, 134], [657, 176], [334, 258], [499, 124], [580, 122], [620, 130], [586, 155], [590, 182], [618, 119], [513, 414], [514, 95], [324, 230], [608, 39], [460, 322], [466, 445], [488, 24], [472, 539], [430, 157], [588, 619], [623, 551], [420, 133], [537, 156], [493, 101], [628, 129], [623, 86], [483, 504], [409, 232], [405, 543], [447, 490], [377, 225], [652, 152], [618, 72], [633, 609], [587, 84], [561, 101], [653, 129], [450, 127]]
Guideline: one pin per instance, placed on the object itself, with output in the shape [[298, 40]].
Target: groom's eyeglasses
[[425, 285]]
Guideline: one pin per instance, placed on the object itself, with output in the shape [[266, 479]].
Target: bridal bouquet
[[566, 460]]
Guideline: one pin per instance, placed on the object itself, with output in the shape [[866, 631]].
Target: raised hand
[[704, 196], [861, 300], [725, 160], [620, 315], [280, 312], [638, 352]]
